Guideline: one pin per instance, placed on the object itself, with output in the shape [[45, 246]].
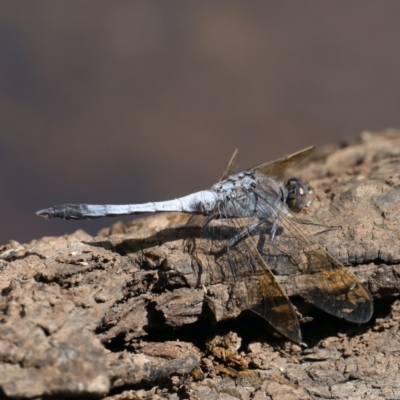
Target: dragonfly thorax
[[250, 194], [242, 180], [298, 194]]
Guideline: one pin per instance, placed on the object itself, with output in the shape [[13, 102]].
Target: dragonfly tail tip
[[45, 213]]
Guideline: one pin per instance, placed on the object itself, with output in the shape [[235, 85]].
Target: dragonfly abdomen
[[202, 202]]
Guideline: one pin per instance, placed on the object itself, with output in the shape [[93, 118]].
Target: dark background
[[132, 101]]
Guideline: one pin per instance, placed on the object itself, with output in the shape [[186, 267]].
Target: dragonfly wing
[[230, 169], [278, 167], [262, 293], [266, 297], [321, 279], [333, 288]]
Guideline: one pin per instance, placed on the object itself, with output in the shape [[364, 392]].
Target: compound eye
[[298, 194]]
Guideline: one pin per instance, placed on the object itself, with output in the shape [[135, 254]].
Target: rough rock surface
[[126, 315]]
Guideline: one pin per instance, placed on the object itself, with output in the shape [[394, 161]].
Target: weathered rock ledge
[[124, 316]]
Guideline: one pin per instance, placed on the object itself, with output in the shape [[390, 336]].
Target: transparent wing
[[231, 168], [278, 167], [319, 277], [254, 285]]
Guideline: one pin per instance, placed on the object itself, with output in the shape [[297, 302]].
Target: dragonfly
[[259, 210]]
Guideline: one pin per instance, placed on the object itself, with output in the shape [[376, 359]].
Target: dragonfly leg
[[274, 229], [328, 227]]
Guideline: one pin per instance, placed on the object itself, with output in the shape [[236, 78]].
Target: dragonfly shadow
[[128, 246]]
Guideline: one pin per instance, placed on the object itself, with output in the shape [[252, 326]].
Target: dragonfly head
[[297, 194]]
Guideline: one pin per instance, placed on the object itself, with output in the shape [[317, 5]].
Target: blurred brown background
[[131, 101]]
